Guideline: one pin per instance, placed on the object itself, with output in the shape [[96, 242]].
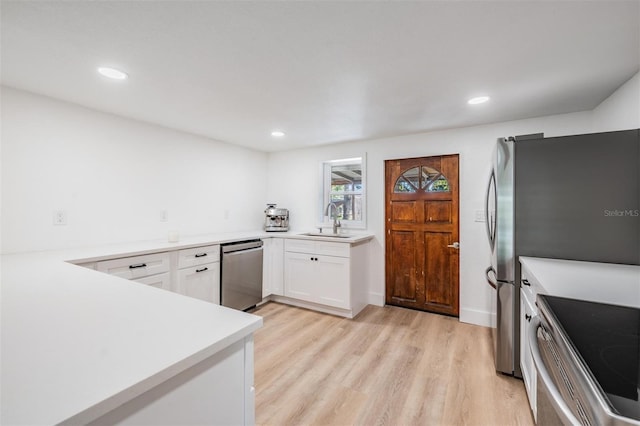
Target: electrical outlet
[[164, 216], [59, 217]]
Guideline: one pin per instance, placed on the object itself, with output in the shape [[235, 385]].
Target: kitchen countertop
[[77, 343], [92, 254], [592, 281]]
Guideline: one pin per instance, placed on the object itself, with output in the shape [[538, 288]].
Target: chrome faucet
[[334, 216]]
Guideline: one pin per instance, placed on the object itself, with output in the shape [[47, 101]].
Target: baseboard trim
[[376, 299], [477, 317]]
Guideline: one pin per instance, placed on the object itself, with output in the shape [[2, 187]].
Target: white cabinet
[[528, 310], [273, 267], [320, 272], [198, 256], [159, 281], [317, 278], [199, 273], [152, 269]]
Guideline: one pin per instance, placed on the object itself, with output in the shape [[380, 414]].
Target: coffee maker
[[276, 220]]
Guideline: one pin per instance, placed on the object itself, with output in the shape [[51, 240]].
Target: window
[[421, 178], [344, 185]]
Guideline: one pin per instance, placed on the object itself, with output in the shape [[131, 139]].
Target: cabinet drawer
[[198, 256], [136, 266], [529, 285], [162, 281], [201, 282], [326, 248]]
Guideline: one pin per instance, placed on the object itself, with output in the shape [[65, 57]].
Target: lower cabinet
[[151, 269], [201, 282], [159, 281], [199, 273], [527, 312], [317, 278], [319, 272], [192, 272], [272, 267]]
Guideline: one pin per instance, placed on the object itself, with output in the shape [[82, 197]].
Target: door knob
[[455, 245]]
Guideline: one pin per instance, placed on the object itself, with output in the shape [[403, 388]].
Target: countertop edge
[[103, 407]]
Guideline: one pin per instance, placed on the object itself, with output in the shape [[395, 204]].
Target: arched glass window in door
[[422, 178], [409, 181]]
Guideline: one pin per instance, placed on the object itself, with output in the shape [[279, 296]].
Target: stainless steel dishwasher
[[241, 281]]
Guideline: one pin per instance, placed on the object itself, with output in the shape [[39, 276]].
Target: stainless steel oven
[[587, 359]]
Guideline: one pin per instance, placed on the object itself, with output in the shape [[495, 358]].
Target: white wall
[[294, 179], [621, 110], [113, 176]]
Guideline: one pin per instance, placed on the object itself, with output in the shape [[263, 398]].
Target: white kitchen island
[[79, 347]]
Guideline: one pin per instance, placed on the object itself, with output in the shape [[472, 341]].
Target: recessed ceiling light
[[277, 133], [478, 100], [112, 73]]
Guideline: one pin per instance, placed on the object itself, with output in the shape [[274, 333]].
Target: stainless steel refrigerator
[[572, 197]]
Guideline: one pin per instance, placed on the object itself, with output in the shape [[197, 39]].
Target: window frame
[[325, 192]]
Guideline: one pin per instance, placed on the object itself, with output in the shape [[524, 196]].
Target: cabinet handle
[[201, 254], [202, 270], [526, 282], [527, 317], [139, 265]]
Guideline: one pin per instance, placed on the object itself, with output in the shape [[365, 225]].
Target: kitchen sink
[[328, 234]]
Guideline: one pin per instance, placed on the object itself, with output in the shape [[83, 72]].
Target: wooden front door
[[422, 233]]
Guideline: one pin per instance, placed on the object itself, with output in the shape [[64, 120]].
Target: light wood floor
[[389, 366]]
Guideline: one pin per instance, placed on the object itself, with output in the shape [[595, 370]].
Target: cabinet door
[[332, 274], [162, 281], [201, 282], [300, 279], [273, 267], [527, 312], [277, 266]]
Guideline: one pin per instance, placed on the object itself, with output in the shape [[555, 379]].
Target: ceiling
[[321, 71]]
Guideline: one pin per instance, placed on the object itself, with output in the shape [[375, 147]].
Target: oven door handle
[[560, 407]]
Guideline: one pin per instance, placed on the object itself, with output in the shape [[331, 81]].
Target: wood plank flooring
[[388, 366]]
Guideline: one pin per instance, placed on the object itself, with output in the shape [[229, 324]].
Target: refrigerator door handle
[[491, 282], [489, 213]]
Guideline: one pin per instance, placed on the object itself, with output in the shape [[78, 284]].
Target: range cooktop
[[607, 337]]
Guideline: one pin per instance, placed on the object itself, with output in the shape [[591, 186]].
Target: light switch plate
[[480, 217]]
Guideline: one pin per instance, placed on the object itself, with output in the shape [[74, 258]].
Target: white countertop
[[598, 282], [91, 254], [77, 343]]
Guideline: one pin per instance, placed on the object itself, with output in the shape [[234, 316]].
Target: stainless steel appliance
[[587, 358], [241, 281], [571, 197], [276, 219]]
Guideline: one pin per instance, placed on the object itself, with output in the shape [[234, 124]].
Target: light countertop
[[91, 254], [77, 343], [598, 282]]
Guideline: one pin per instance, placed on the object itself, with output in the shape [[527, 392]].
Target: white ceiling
[[321, 71]]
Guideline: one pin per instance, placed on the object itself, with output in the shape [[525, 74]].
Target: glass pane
[[439, 184], [428, 175], [348, 207], [346, 177], [413, 176], [402, 186]]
